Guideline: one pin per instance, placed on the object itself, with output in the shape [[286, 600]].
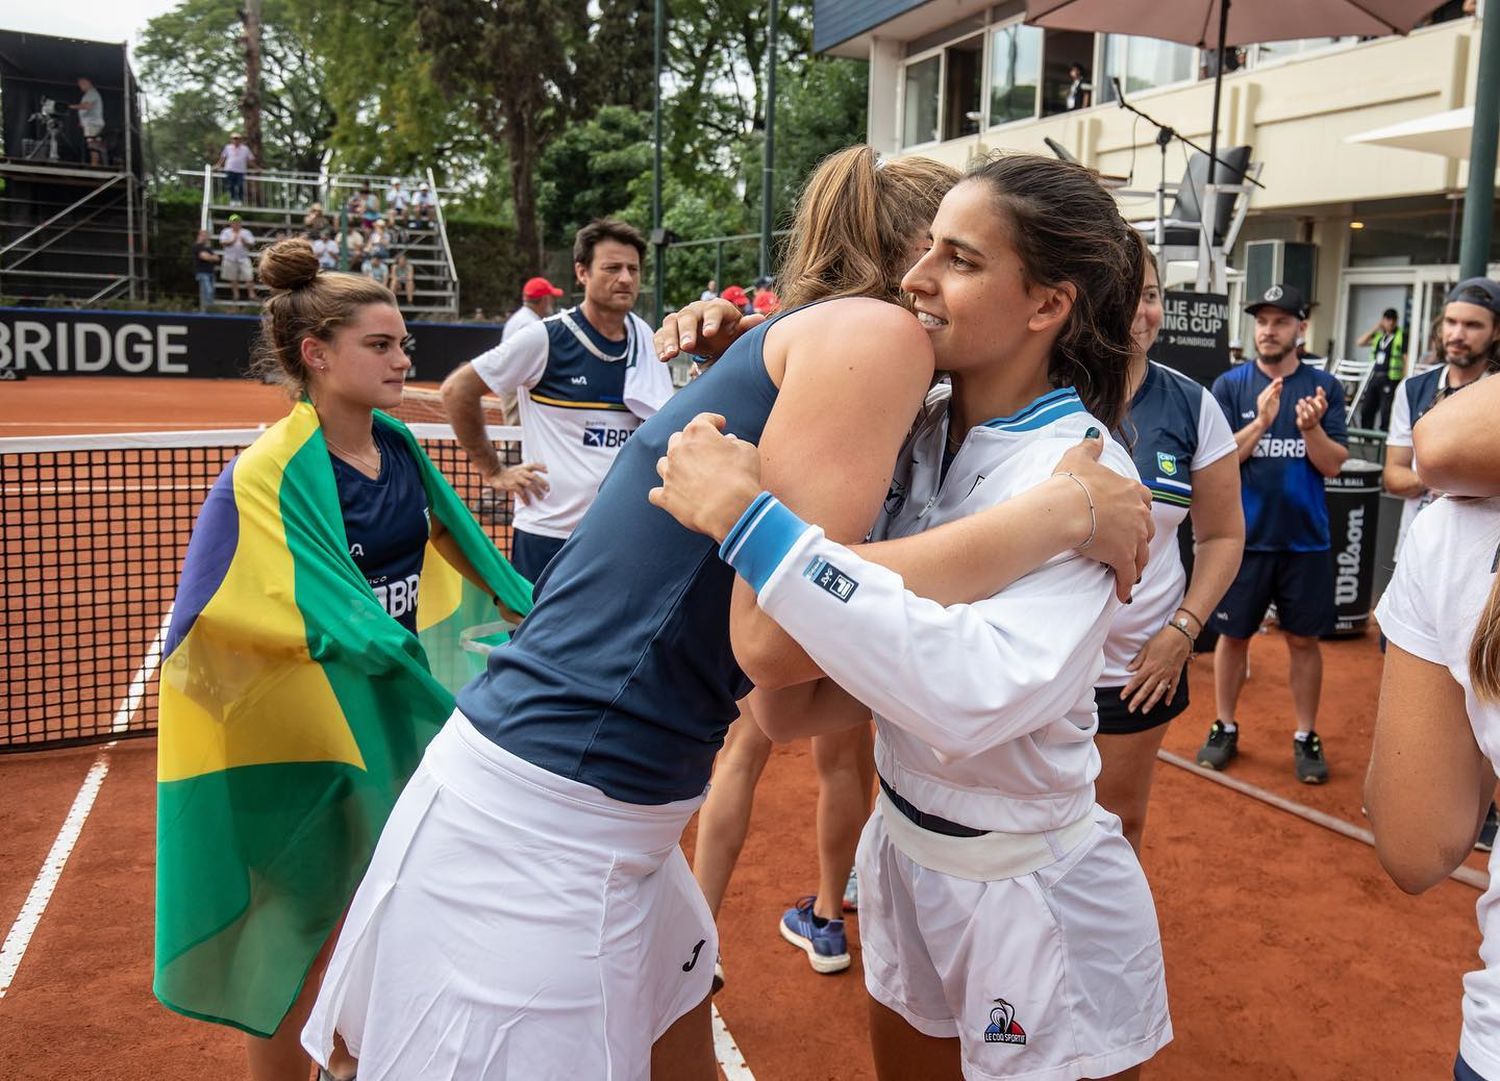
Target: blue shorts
[[1462, 1071], [1300, 584], [530, 552]]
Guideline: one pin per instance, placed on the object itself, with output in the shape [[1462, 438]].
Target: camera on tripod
[[47, 124]]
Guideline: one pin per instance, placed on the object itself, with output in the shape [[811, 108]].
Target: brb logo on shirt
[[1271, 447], [598, 435], [398, 596]]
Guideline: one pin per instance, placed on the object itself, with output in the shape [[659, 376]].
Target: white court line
[[36, 901], [46, 880], [137, 690], [731, 1060]]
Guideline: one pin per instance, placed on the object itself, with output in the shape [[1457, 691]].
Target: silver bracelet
[[1093, 520]]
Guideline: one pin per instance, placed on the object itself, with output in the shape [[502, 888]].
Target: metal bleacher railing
[[276, 203]]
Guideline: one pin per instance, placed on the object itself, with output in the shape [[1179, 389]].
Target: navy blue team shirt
[[386, 522], [1286, 509], [622, 676]]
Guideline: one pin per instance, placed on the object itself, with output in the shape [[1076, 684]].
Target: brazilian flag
[[293, 710]]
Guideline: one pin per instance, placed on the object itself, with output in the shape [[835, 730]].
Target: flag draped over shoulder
[[293, 710]]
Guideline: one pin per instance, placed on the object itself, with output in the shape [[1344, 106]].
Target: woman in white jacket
[[1007, 927]]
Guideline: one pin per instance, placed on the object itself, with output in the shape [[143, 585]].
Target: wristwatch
[[1182, 624]]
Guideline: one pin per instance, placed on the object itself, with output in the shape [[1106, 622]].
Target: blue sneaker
[[826, 947]]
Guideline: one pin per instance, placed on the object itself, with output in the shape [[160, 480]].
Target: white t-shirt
[[236, 158], [521, 317], [236, 249], [396, 199], [93, 108], [577, 410], [1178, 429], [1431, 608], [1400, 436]]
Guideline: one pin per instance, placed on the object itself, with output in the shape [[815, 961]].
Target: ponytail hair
[[858, 220], [1484, 649], [306, 302]]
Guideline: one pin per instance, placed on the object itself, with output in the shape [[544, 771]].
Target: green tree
[[529, 68], [191, 62], [586, 172]]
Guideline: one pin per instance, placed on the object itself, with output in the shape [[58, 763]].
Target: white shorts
[[1052, 975], [236, 270], [92, 129], [515, 924]]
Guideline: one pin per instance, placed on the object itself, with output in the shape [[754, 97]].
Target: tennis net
[[93, 530]]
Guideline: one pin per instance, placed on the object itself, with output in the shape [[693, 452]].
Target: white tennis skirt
[[515, 924], [1045, 965]]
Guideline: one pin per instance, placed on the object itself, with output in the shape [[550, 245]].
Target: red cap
[[537, 288], [735, 295]]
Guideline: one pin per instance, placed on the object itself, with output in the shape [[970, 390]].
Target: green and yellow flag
[[293, 710]]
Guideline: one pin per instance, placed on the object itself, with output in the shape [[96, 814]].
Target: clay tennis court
[[1289, 953]]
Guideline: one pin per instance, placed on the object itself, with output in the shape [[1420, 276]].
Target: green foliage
[[192, 65], [586, 172], [490, 266]]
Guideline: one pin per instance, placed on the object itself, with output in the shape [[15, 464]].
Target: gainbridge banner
[[40, 342]]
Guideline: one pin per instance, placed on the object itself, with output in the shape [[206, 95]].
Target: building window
[[1280, 50], [1142, 63], [920, 101], [963, 87], [1015, 70]]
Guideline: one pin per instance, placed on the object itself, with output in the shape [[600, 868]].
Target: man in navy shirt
[[1289, 427]]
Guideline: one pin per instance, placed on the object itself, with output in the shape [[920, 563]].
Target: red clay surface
[[1289, 954]]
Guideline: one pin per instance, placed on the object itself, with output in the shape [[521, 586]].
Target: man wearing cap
[[1387, 342], [234, 267], [422, 203], [1469, 337], [235, 159], [587, 377], [1290, 433], [537, 296]]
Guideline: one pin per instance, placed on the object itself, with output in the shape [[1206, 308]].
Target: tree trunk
[[523, 154], [250, 99]]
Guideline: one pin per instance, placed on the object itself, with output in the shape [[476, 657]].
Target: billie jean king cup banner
[[59, 341], [1195, 335]]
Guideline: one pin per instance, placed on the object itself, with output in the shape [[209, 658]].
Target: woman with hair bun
[[312, 654]]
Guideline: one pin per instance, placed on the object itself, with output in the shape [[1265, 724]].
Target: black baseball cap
[[1288, 298], [1481, 291]]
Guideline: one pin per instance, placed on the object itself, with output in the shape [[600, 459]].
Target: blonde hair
[[306, 302], [858, 219], [1484, 649]]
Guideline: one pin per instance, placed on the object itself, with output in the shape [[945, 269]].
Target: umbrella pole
[[1479, 203], [1208, 272]]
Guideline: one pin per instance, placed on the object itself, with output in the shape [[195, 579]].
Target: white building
[[953, 79]]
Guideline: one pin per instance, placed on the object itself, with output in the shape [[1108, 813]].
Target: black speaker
[[1280, 262]]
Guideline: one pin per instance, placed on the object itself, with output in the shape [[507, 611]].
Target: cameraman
[[90, 109]]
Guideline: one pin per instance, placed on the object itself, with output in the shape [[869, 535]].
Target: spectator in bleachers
[[711, 292], [403, 278], [235, 159], [205, 261], [235, 242], [764, 301], [376, 269], [423, 205], [354, 240], [315, 221], [1470, 341], [327, 250], [1290, 434], [396, 199], [1387, 342], [379, 240], [371, 211]]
